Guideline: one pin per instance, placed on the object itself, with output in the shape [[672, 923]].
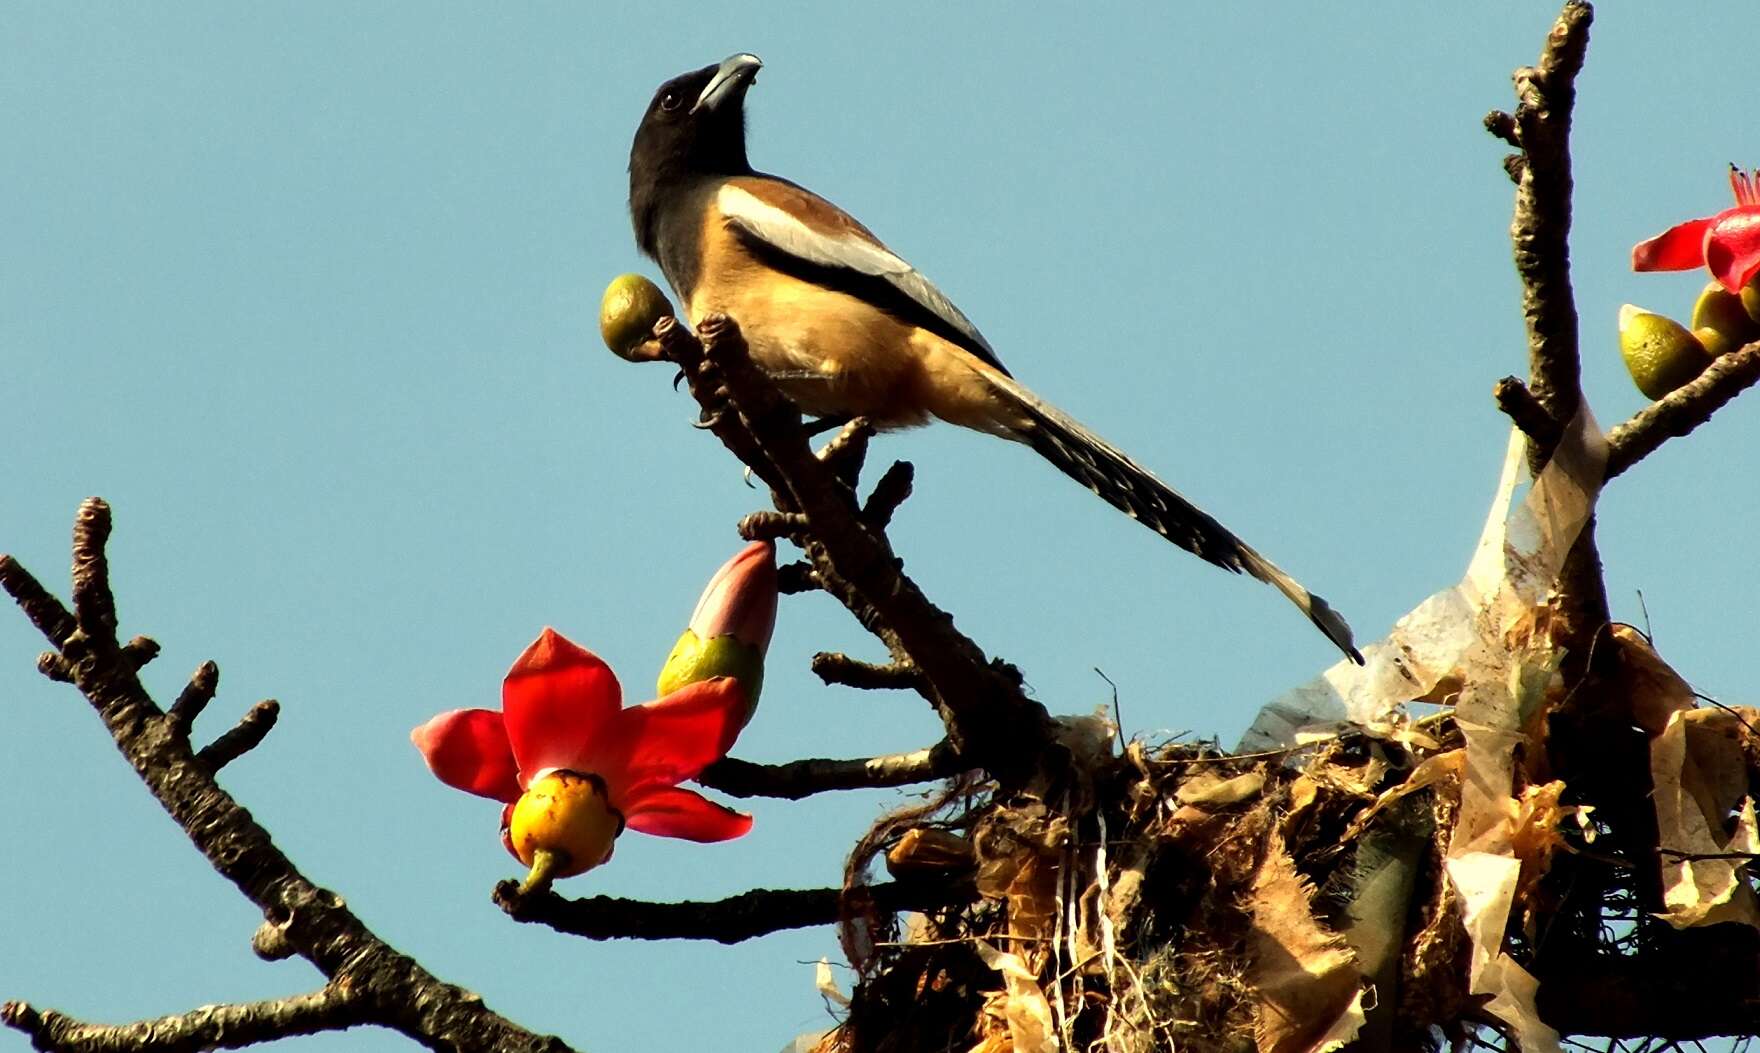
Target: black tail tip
[[1337, 630]]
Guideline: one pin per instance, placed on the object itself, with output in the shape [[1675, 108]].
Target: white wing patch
[[783, 231], [779, 228]]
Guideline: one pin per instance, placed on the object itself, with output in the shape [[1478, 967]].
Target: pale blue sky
[[308, 293]]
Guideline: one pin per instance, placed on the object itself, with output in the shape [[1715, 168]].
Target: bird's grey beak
[[729, 80]]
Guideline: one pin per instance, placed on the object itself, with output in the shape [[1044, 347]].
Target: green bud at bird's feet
[[627, 313]]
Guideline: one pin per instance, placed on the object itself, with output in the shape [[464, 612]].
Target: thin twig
[[845, 454], [891, 491], [140, 650], [53, 620], [93, 605], [1503, 126], [194, 697], [770, 526], [835, 668], [803, 778], [795, 578], [242, 737], [55, 667], [1524, 410], [730, 920]]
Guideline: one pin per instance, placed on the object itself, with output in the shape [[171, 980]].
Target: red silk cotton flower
[[1727, 244], [564, 736]]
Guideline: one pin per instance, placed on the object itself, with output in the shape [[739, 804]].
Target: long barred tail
[[1129, 487]]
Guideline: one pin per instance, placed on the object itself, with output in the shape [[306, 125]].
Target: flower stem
[[545, 863]]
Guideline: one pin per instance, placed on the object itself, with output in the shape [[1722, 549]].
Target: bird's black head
[[695, 125]]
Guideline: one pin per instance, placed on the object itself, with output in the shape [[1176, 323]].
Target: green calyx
[[545, 867], [694, 660], [1751, 300], [1724, 314]]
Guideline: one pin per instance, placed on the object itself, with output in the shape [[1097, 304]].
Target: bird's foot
[[822, 425], [715, 409]]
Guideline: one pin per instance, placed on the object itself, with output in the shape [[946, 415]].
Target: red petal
[[467, 749], [506, 831], [674, 811], [1679, 248], [558, 698], [670, 740], [1732, 247]]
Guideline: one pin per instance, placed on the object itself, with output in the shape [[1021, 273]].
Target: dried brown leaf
[[1698, 774], [925, 851], [1213, 792], [1024, 1006], [1655, 691], [1303, 975]]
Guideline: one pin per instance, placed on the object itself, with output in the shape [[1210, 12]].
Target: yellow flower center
[[564, 824]]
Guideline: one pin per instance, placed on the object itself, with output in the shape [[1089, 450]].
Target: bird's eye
[[670, 101]]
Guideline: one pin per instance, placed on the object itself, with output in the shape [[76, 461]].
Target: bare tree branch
[[987, 717], [53, 666], [333, 1008], [93, 605], [845, 454], [732, 920], [1540, 234], [140, 650], [803, 778], [1525, 411], [44, 610], [890, 492], [835, 668], [770, 526], [1503, 126], [194, 697], [797, 577], [1545, 94], [242, 737], [1678, 413], [381, 985]]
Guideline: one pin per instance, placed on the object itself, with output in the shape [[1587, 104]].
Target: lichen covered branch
[[333, 1008], [1541, 125]]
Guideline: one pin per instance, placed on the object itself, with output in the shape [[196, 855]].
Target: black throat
[[671, 163]]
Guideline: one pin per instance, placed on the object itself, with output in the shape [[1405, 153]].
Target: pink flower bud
[[740, 600]]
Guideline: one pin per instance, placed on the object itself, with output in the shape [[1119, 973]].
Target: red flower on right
[[1727, 244]]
